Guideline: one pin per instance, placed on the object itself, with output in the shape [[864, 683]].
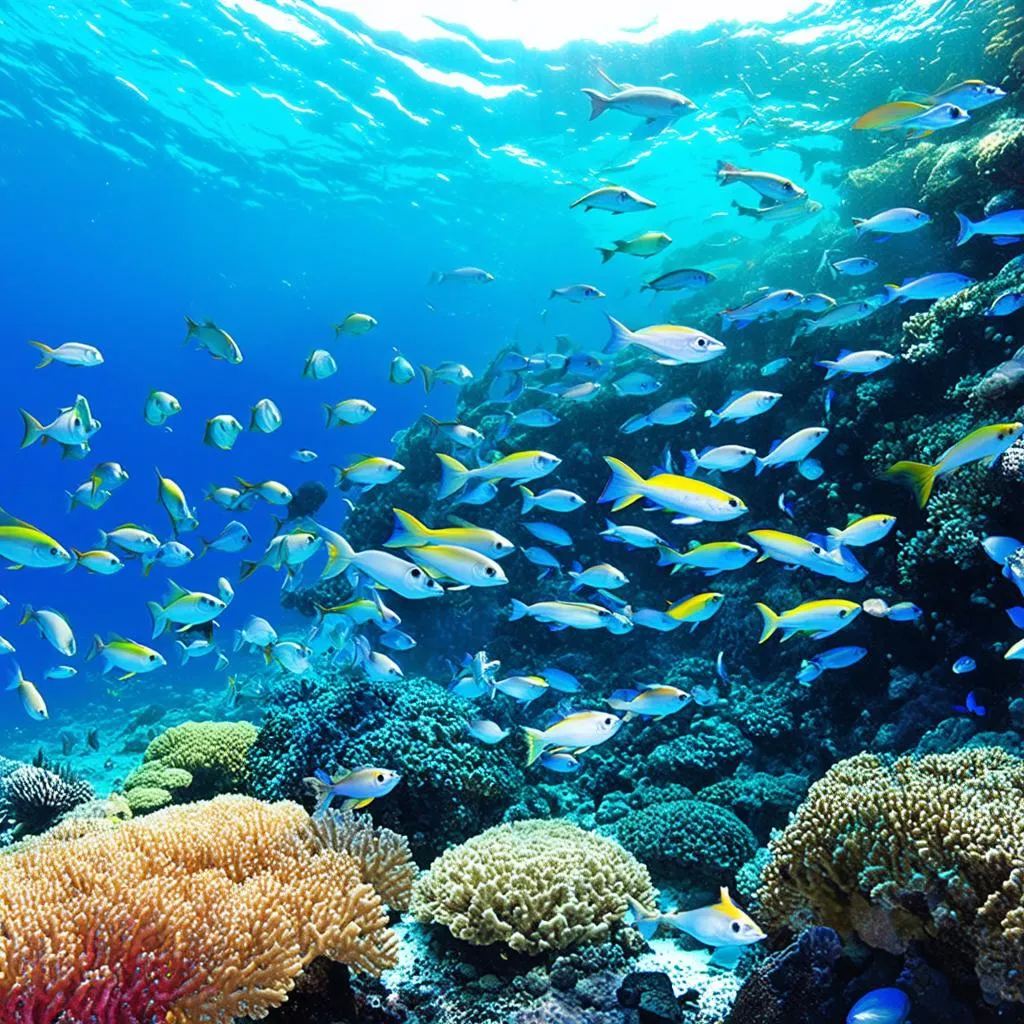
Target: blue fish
[[970, 706], [535, 418], [397, 640], [720, 667], [773, 367], [964, 665], [549, 533], [880, 1006], [1016, 616]]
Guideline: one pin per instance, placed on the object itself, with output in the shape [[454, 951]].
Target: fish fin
[[33, 429], [159, 618], [598, 102], [621, 336], [454, 475], [517, 611], [622, 486], [408, 531], [606, 254], [726, 956], [193, 328], [47, 354], [918, 476], [770, 621], [534, 744], [428, 378]]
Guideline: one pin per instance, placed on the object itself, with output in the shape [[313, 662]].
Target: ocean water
[[273, 167]]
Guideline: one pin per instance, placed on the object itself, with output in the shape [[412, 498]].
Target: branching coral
[[207, 911], [34, 797], [912, 849], [534, 885]]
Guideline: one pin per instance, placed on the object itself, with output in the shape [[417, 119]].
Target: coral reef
[[535, 886], [33, 798]]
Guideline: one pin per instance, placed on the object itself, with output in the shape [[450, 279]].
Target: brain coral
[[912, 849], [192, 761], [205, 912], [534, 885]]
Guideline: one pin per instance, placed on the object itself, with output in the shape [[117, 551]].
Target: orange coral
[[202, 911]]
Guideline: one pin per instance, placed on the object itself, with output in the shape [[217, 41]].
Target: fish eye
[[733, 503], [609, 720], [152, 657], [623, 195], [816, 549], [701, 342], [788, 186], [736, 927], [489, 571], [843, 613], [416, 574], [76, 422], [380, 776], [53, 551]]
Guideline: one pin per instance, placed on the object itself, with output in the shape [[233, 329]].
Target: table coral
[[203, 912], [896, 851], [536, 886]]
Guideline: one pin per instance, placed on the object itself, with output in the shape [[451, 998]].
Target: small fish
[[356, 324], [1006, 304], [964, 664], [671, 492], [794, 448], [985, 444], [904, 611], [927, 288], [673, 343], [396, 640], [409, 532], [401, 371], [853, 266], [319, 365], [577, 293], [771, 186], [184, 608], [650, 243], [349, 412], [486, 731], [523, 689], [523, 466], [217, 342], [970, 706], [71, 353], [102, 563], [127, 656], [697, 609], [549, 533], [819, 619], [552, 500], [235, 537], [271, 491], [265, 416], [53, 627], [658, 107], [462, 565], [570, 614], [292, 656], [898, 221], [712, 558], [812, 552], [636, 383], [357, 788], [304, 455], [880, 1006], [763, 307], [613, 198], [934, 119], [257, 632], [160, 406], [601, 577], [631, 536], [583, 392], [578, 731], [542, 557], [810, 469], [725, 458], [479, 494], [222, 432], [461, 276], [679, 280], [61, 672], [559, 679], [172, 497], [71, 429], [668, 414], [285, 551], [196, 649], [742, 406], [31, 699], [560, 760], [456, 374], [862, 531], [772, 368], [88, 496], [368, 473], [1003, 228], [838, 316], [655, 701], [171, 555], [387, 570], [536, 418]]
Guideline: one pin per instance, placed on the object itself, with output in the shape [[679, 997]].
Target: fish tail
[[102, 542], [606, 254], [759, 463], [918, 476], [184, 651], [966, 228], [408, 531], [454, 476], [204, 546], [147, 565], [268, 654], [769, 619], [804, 327], [621, 336], [830, 368], [95, 648], [744, 211], [246, 569], [665, 555], [858, 224], [517, 611], [528, 499], [645, 921], [428, 378], [26, 615], [725, 172], [47, 354], [534, 744], [71, 501], [624, 486], [193, 327], [598, 102], [328, 414], [436, 277], [158, 616], [689, 462], [33, 429], [322, 792], [713, 417]]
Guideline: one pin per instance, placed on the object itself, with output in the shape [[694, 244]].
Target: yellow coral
[[534, 885], [234, 895], [906, 849]]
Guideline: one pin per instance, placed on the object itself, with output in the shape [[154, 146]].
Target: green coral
[[713, 747], [143, 799]]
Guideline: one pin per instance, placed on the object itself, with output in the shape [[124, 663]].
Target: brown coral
[[208, 911], [911, 849]]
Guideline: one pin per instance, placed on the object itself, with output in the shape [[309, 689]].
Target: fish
[[53, 627], [696, 609], [577, 293], [636, 383], [461, 276], [852, 266], [816, 302], [583, 392], [791, 550], [196, 649], [183, 608], [542, 557], [972, 94], [217, 342], [358, 788], [725, 458], [409, 532], [880, 1006], [523, 689], [265, 416], [293, 656], [349, 412], [669, 341], [109, 476], [170, 495], [131, 538], [658, 107], [102, 563], [304, 455], [650, 243], [888, 116], [1006, 304], [819, 619], [87, 496], [71, 353], [653, 701], [448, 372], [160, 406], [928, 288], [680, 280], [794, 448], [613, 198], [934, 119], [1003, 228], [486, 731], [401, 371], [232, 539], [651, 618], [271, 491], [368, 473], [772, 368], [810, 469], [835, 657], [865, 362], [771, 186], [31, 699], [256, 632], [601, 576], [463, 565], [355, 324], [763, 307], [171, 554], [838, 316], [60, 672], [458, 433], [71, 429], [536, 418], [631, 536], [986, 444], [388, 571], [670, 492], [126, 656], [222, 432], [578, 731], [741, 406], [712, 558], [549, 533], [523, 466], [319, 365], [285, 551], [722, 925], [24, 545], [898, 221], [860, 532], [553, 500], [479, 494], [558, 759], [963, 665], [668, 414], [565, 614], [396, 640], [791, 212], [904, 611], [559, 679]]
